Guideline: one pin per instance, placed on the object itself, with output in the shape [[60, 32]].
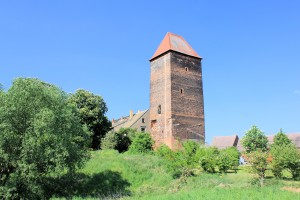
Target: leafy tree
[[281, 139], [208, 158], [259, 164], [255, 139], [109, 141], [228, 159], [141, 143], [280, 149], [118, 140], [40, 135], [285, 156], [92, 109]]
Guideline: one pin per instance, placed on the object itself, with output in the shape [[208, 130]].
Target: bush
[[181, 163], [141, 143], [119, 140], [208, 158], [228, 159], [109, 141], [285, 157]]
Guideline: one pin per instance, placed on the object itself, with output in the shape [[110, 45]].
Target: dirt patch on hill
[[291, 189]]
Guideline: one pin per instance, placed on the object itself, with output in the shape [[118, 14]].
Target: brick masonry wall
[[179, 93], [187, 97]]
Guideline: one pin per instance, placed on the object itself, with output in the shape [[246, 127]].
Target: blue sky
[[250, 50]]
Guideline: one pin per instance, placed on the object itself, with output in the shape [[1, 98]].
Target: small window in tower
[[143, 120], [143, 128], [186, 69], [181, 91], [159, 109]]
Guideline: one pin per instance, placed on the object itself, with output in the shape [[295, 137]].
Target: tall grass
[[126, 176]]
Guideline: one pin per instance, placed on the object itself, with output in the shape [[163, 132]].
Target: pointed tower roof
[[173, 42]]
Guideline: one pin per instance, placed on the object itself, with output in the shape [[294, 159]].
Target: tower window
[[159, 109], [181, 91], [143, 120], [186, 69], [143, 128]]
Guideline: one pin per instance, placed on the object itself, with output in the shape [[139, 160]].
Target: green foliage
[[285, 157], [145, 177], [92, 109], [208, 158], [119, 140], [259, 164], [255, 139], [228, 159], [141, 143], [124, 138], [183, 162], [109, 141], [281, 139], [164, 151], [40, 135]]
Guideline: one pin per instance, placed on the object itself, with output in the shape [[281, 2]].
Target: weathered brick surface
[[176, 85]]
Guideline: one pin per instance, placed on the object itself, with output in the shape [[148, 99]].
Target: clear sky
[[250, 50]]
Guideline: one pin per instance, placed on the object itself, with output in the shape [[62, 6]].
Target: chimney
[[113, 120], [130, 114]]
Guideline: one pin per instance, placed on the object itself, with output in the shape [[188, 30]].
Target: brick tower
[[176, 93]]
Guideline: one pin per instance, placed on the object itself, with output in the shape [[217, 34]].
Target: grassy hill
[[110, 175]]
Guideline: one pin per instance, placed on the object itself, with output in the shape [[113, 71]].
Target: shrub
[[285, 157], [141, 143], [119, 140], [109, 141], [183, 162], [228, 159], [208, 158]]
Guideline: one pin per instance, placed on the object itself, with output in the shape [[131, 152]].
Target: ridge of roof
[[177, 43]]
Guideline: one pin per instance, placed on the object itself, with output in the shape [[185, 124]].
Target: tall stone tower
[[176, 93]]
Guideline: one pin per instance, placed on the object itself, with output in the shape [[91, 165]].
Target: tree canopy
[[281, 139], [40, 134], [92, 109], [255, 139]]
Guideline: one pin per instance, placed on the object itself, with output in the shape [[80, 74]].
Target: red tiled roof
[[175, 43], [222, 142]]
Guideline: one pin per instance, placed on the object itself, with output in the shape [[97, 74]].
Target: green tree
[[119, 140], [259, 164], [228, 159], [208, 158], [109, 141], [285, 156], [40, 135], [281, 139], [92, 109], [141, 143], [255, 139]]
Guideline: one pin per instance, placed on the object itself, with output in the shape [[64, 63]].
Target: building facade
[[138, 121], [176, 93]]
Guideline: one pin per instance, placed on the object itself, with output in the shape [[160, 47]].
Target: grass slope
[[127, 176]]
